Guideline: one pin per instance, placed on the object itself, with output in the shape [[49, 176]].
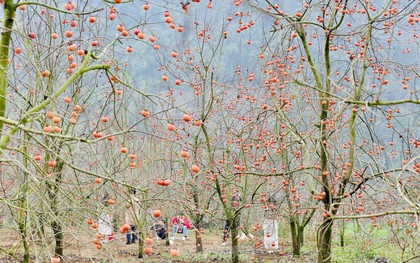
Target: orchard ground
[[362, 245]]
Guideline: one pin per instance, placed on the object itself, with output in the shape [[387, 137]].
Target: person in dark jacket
[[159, 228], [236, 200]]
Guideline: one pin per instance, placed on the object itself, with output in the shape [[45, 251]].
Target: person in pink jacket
[[180, 222], [185, 226]]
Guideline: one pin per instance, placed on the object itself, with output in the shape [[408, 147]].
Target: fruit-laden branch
[[26, 117], [382, 103], [275, 174], [403, 212], [79, 169], [57, 9]]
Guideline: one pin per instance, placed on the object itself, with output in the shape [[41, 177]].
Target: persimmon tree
[[337, 56], [321, 112], [201, 114], [58, 79]]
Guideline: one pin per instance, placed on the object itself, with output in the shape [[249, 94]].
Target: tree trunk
[[167, 242], [198, 241], [23, 216], [295, 237], [6, 37], [301, 236], [235, 245], [53, 190], [141, 237], [324, 241], [59, 238], [22, 230]]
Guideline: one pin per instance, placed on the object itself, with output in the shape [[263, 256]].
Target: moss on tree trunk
[[235, 244], [141, 244], [324, 241]]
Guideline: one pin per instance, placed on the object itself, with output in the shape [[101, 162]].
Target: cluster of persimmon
[[132, 157], [94, 225], [242, 26], [56, 119], [97, 241], [163, 182], [137, 32], [169, 20]]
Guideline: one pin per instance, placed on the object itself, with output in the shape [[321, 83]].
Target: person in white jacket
[[105, 220], [270, 226]]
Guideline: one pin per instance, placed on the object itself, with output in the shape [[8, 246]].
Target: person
[[105, 220], [236, 199], [175, 224], [159, 228], [270, 225], [131, 214], [185, 226], [180, 223]]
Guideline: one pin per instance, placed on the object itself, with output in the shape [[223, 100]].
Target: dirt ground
[[82, 249]]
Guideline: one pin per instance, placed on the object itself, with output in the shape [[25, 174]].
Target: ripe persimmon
[[38, 157], [45, 73], [186, 118], [174, 252], [47, 129], [147, 250], [52, 163], [56, 119], [145, 113], [171, 127], [148, 241], [195, 168], [77, 108], [166, 182], [185, 154], [157, 213]]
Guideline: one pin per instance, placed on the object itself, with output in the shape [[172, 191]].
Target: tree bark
[[301, 236], [198, 240], [295, 237], [59, 238], [22, 230], [9, 10], [53, 190], [141, 238], [235, 245], [324, 241]]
